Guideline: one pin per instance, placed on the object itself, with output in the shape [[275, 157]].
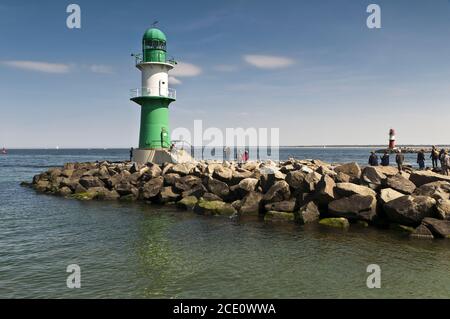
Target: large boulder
[[152, 188], [386, 170], [325, 190], [443, 208], [167, 195], [410, 210], [154, 170], [187, 182], [355, 207], [437, 190], [283, 206], [424, 177], [349, 189], [90, 181], [351, 169], [217, 187], [180, 169], [372, 177], [388, 194], [102, 193], [310, 181], [266, 181], [400, 184], [223, 174], [126, 188], [240, 174], [252, 203], [247, 185], [295, 179], [342, 178], [308, 213], [197, 191], [278, 192], [439, 228], [171, 178]]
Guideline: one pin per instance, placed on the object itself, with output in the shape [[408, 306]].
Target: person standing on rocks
[[434, 156], [131, 154], [373, 159], [442, 157], [385, 159], [399, 159], [446, 166], [421, 159]]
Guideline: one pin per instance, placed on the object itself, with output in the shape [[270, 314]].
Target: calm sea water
[[144, 251]]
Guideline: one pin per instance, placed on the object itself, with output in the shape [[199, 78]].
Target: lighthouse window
[[155, 45]]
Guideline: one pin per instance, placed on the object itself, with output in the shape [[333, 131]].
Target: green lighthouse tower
[[154, 97]]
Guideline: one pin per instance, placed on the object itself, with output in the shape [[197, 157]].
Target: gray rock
[[211, 197], [349, 189], [252, 203], [310, 181], [371, 177], [424, 177], [388, 194], [400, 184], [410, 209], [91, 181], [439, 228], [295, 179], [283, 206], [187, 182], [197, 191], [308, 213], [325, 190], [152, 188], [217, 187], [171, 178], [437, 190], [351, 169], [223, 174], [247, 185], [342, 178], [64, 191], [356, 207], [443, 209], [167, 195], [278, 192]]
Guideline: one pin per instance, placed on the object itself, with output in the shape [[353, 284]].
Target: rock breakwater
[[293, 191]]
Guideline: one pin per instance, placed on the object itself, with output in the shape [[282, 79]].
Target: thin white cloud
[[99, 68], [268, 61], [39, 66], [225, 68], [183, 69], [174, 81]]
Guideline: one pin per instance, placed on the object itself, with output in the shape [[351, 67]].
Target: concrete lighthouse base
[[160, 156]]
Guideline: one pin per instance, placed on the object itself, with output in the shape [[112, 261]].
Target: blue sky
[[311, 68]]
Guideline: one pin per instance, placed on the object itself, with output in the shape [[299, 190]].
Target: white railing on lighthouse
[[138, 92]]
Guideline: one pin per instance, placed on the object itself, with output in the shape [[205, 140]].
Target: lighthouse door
[[162, 88]]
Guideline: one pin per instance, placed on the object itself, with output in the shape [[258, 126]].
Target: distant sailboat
[[4, 151]]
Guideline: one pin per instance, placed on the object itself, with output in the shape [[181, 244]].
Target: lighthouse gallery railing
[[170, 93]]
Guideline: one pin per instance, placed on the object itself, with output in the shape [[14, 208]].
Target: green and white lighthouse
[[154, 97]]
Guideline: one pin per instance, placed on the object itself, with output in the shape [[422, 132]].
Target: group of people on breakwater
[[436, 155]]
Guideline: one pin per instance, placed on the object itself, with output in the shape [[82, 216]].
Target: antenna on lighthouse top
[[155, 23]]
